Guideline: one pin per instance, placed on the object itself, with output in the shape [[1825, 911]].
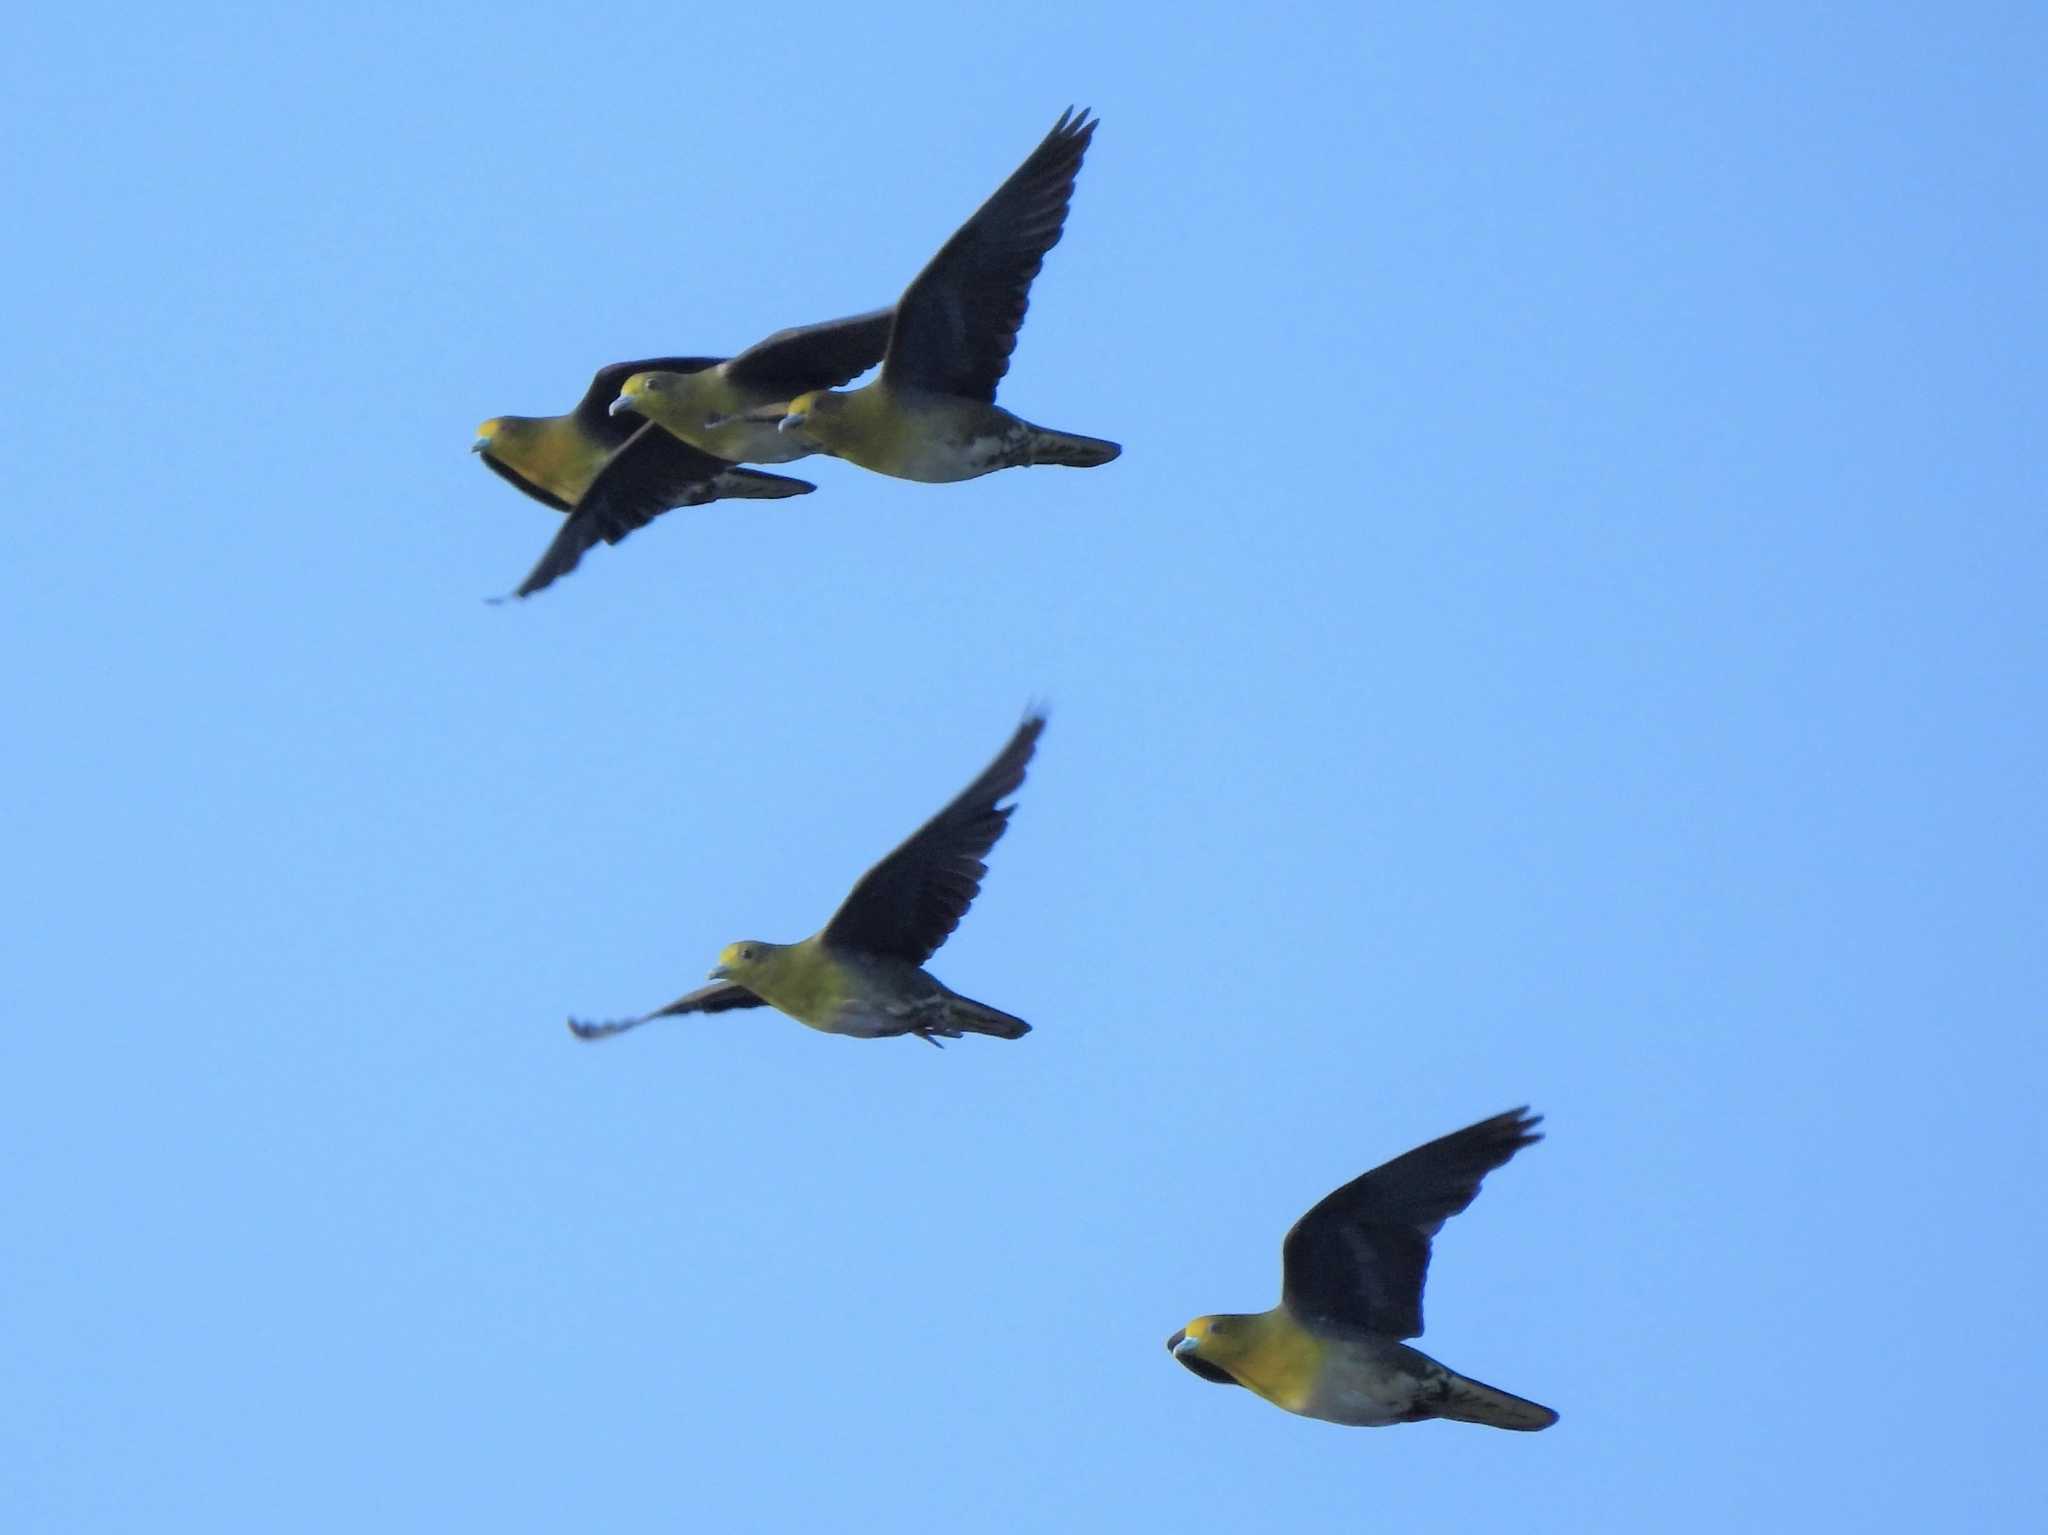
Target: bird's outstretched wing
[[956, 323], [719, 997], [806, 357], [907, 904], [1359, 1258], [653, 473]]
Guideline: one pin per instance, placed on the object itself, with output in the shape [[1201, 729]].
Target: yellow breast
[[1279, 1360], [552, 454]]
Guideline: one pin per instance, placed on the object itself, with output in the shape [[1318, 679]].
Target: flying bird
[[931, 414], [707, 405], [1351, 1290], [609, 476], [863, 973]]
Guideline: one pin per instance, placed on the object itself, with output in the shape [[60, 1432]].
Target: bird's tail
[[1070, 449], [971, 1017], [1471, 1401], [754, 485]]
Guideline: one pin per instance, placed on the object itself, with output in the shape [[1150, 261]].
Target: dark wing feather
[[593, 412], [650, 474], [1359, 1258], [806, 357], [653, 473], [956, 324], [907, 904], [718, 997]]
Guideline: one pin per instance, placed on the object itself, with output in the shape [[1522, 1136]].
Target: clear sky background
[[1567, 628]]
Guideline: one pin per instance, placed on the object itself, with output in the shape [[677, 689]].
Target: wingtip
[[1514, 1127], [1023, 745]]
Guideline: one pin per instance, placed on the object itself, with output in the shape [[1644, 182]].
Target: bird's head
[[642, 389], [748, 958], [501, 432], [804, 412], [1208, 1344]]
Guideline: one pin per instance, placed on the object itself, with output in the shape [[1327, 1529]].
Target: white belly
[[943, 462], [1361, 1408], [1366, 1390], [868, 1022]]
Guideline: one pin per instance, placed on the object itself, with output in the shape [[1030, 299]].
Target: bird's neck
[[800, 980], [1276, 1357], [557, 457], [861, 419]]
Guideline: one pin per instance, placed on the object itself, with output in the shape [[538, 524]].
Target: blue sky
[[1566, 628]]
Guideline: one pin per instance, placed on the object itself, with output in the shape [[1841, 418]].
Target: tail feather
[[1070, 449], [1471, 1401], [754, 485], [972, 1017]]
